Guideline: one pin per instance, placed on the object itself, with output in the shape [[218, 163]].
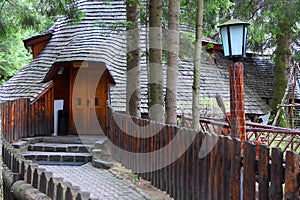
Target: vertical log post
[[237, 105]]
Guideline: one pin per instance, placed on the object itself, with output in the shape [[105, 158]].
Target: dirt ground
[[145, 186]]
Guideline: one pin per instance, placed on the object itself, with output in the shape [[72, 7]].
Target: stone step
[[102, 164], [57, 156], [60, 147]]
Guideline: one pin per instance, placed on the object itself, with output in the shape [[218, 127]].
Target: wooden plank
[[179, 172], [147, 148], [125, 139], [172, 177], [209, 142], [16, 126], [194, 154], [249, 171], [138, 143], [190, 165], [48, 114], [43, 117], [292, 175], [227, 152], [51, 109], [263, 172], [213, 164], [235, 171], [167, 157], [152, 149], [219, 169], [163, 158], [157, 156], [276, 174], [2, 118], [22, 116]]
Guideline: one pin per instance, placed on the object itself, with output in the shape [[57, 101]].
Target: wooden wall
[[22, 118]]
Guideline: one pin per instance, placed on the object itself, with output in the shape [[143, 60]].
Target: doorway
[[89, 96]]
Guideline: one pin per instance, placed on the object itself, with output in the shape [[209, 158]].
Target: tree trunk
[[155, 76], [197, 63], [172, 62], [282, 63], [133, 58]]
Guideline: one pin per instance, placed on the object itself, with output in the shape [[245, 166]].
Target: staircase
[[69, 150], [59, 153]]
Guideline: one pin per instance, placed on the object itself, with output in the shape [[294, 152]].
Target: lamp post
[[234, 37]]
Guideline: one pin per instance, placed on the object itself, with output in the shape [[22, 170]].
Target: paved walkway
[[100, 183]]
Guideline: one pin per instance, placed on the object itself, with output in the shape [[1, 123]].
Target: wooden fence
[[207, 166], [22, 118]]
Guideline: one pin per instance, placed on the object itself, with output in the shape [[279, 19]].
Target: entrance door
[[89, 101]]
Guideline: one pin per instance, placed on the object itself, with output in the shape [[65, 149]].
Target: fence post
[[292, 175], [263, 172], [276, 174], [235, 171], [249, 171], [227, 152]]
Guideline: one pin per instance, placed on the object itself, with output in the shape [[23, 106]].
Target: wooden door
[[89, 101]]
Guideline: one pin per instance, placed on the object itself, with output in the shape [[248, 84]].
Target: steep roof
[[101, 37]]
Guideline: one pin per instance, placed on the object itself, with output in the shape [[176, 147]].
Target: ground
[[141, 184]]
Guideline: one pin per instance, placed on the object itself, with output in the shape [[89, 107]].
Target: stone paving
[[101, 184]]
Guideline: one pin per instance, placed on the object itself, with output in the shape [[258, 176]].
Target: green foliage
[[214, 12], [20, 19], [264, 18], [13, 56]]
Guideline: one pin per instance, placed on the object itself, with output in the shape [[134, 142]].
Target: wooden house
[[78, 68]]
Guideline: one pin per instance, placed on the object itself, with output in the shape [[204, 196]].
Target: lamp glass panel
[[236, 38], [225, 42], [245, 40]]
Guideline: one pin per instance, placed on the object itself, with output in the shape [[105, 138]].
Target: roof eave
[[37, 39]]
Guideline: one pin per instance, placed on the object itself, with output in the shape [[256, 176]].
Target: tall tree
[[197, 63], [155, 72], [133, 58], [172, 61], [283, 50]]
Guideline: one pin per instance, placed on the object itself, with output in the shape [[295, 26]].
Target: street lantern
[[234, 36]]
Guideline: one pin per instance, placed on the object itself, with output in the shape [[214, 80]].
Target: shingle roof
[[101, 37]]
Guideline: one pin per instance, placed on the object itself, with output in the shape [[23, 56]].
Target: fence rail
[[271, 136], [196, 165]]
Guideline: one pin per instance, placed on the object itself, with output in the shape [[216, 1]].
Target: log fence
[[25, 180], [207, 166]]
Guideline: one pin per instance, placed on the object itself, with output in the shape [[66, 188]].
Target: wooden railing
[[271, 136], [207, 166], [22, 118]]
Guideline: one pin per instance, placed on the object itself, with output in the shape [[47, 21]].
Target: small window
[[60, 71], [96, 101], [79, 101]]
